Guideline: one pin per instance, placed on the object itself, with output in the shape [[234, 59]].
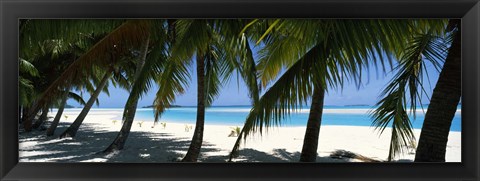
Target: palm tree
[[56, 120], [63, 102], [346, 45], [218, 50], [148, 67], [47, 63], [443, 104], [107, 53], [42, 118], [132, 101], [42, 36], [423, 47], [208, 61], [73, 128], [26, 89]]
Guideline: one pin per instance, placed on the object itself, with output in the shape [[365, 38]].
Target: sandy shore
[[158, 144]]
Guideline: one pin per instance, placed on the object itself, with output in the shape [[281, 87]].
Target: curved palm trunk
[[443, 105], [130, 107], [56, 120], [196, 144], [41, 119], [72, 130], [390, 148], [234, 151], [310, 141]]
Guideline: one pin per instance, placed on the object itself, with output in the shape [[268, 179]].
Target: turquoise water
[[235, 116]]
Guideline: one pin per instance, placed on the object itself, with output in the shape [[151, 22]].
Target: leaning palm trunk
[[72, 130], [41, 119], [29, 115], [20, 114], [443, 105], [56, 120], [310, 141], [196, 144], [130, 107], [25, 111]]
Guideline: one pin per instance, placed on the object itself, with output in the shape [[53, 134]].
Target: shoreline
[[294, 121], [147, 144]]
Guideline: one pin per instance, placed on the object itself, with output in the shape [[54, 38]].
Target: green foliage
[[216, 41], [348, 47], [406, 89], [235, 131], [104, 54], [297, 54], [188, 128], [140, 123]]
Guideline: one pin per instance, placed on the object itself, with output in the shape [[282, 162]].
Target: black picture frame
[[467, 10]]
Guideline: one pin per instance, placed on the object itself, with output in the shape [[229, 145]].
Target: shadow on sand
[[89, 142], [143, 147]]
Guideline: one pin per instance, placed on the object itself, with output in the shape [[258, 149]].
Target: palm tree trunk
[[20, 115], [42, 118], [443, 105], [72, 130], [25, 110], [130, 107], [390, 148], [56, 120], [310, 141], [29, 115], [196, 144]]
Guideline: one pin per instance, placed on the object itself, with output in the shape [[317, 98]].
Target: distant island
[[349, 105], [151, 106]]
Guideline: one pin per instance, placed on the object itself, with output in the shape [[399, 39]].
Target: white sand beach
[[158, 144]]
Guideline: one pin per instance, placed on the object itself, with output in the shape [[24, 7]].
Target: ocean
[[236, 115]]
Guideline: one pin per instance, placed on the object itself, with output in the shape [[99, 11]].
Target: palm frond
[[26, 91], [405, 89], [154, 64], [33, 31], [238, 53], [172, 82], [215, 66], [76, 97], [289, 92], [27, 67], [103, 54]]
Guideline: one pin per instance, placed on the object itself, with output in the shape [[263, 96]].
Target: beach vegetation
[[318, 55], [299, 62], [140, 123], [187, 127], [445, 98], [217, 50], [235, 131], [147, 67], [51, 50], [407, 88], [65, 96]]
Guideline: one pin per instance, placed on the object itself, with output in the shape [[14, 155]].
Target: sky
[[236, 93]]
